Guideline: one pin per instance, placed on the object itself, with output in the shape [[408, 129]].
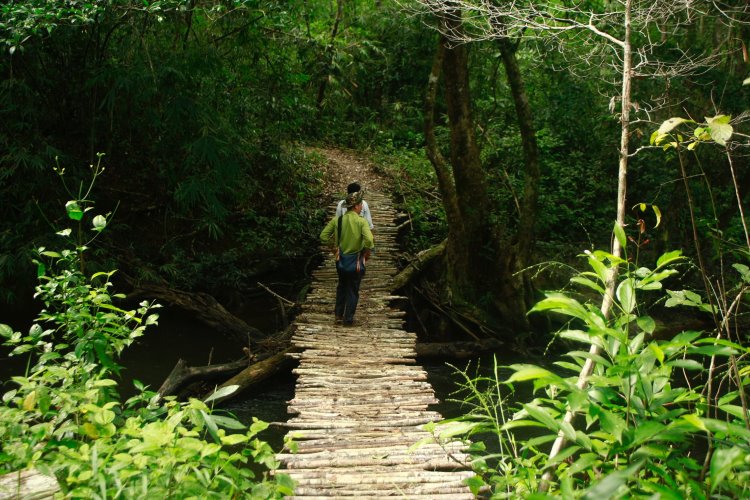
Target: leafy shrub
[[646, 426], [64, 415]]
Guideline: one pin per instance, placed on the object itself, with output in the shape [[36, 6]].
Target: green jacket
[[355, 233]]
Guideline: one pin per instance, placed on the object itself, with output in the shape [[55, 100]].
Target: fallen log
[[416, 266], [258, 372], [203, 307], [27, 484], [182, 374]]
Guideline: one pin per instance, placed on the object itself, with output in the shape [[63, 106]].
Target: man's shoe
[[349, 323], [339, 319]]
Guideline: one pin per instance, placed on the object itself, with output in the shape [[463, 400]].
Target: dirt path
[[344, 167]]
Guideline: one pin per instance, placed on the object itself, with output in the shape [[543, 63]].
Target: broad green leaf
[[720, 129], [734, 410], [530, 372], [587, 283], [232, 439], [626, 294], [475, 484], [5, 331], [565, 305], [451, 428], [580, 336], [220, 393], [228, 422], [669, 257], [74, 210], [538, 413], [670, 124], [647, 324], [712, 350], [685, 364], [658, 353], [612, 424]]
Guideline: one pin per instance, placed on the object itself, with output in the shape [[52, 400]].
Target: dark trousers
[[347, 294]]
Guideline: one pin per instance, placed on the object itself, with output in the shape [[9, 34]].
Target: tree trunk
[[204, 307], [516, 292], [478, 265], [417, 265], [446, 184], [259, 372], [471, 260], [609, 295], [182, 374]]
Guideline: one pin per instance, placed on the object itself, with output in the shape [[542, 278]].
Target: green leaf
[[744, 272], [540, 414], [657, 213], [722, 463], [667, 126], [658, 353], [450, 428], [587, 283], [530, 372], [220, 393], [612, 424], [620, 235], [580, 336], [608, 486], [74, 210], [5, 331], [232, 439], [720, 129], [647, 324], [626, 294], [669, 257], [565, 305], [475, 484], [228, 423], [685, 364]]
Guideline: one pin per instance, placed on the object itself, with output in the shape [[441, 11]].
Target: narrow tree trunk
[[608, 300]]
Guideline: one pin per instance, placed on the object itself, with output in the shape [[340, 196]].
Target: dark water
[[152, 357]]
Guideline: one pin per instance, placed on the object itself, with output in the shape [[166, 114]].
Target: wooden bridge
[[361, 401]]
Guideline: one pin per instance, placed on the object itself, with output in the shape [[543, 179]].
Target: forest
[[573, 177]]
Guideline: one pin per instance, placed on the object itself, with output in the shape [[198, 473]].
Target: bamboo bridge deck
[[361, 400]]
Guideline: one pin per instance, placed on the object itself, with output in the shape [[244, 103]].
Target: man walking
[[354, 187], [353, 242]]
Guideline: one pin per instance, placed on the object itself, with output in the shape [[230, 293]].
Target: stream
[[151, 358]]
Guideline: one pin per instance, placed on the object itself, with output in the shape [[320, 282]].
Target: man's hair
[[353, 188]]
